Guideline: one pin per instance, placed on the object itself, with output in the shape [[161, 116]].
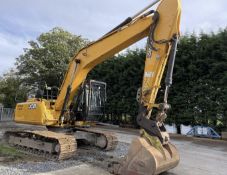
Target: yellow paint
[[36, 112]]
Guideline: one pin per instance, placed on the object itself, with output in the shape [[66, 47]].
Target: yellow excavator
[[152, 152]]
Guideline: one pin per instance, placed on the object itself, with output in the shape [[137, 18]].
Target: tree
[[11, 90], [47, 58], [198, 94]]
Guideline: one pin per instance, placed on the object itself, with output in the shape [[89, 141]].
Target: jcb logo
[[32, 106]]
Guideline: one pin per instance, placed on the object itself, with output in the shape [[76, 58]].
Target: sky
[[24, 20]]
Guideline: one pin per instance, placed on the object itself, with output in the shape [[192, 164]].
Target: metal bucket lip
[[141, 153]]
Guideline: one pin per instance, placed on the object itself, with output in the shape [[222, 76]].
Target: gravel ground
[[36, 167]]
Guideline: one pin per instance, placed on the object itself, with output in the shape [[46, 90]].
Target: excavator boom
[[160, 28]]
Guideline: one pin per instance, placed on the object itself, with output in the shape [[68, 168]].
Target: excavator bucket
[[144, 159]]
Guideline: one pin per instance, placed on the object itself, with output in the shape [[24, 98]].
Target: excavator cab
[[89, 103]]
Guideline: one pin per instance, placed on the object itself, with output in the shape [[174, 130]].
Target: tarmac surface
[[198, 157]]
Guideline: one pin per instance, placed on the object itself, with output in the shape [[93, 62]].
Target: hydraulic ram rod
[[144, 9]]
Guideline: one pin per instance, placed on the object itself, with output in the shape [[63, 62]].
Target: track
[[58, 145], [47, 144], [103, 139]]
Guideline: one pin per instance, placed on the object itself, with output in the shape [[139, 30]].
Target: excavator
[[152, 152]]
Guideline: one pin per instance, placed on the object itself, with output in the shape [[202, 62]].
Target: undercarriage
[[58, 143]]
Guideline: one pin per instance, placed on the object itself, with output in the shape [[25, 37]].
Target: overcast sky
[[24, 20]]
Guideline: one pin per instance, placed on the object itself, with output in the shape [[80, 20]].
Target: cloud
[[203, 15], [10, 48], [24, 20]]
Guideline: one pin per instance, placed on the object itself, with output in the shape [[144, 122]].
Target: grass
[[6, 151]]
